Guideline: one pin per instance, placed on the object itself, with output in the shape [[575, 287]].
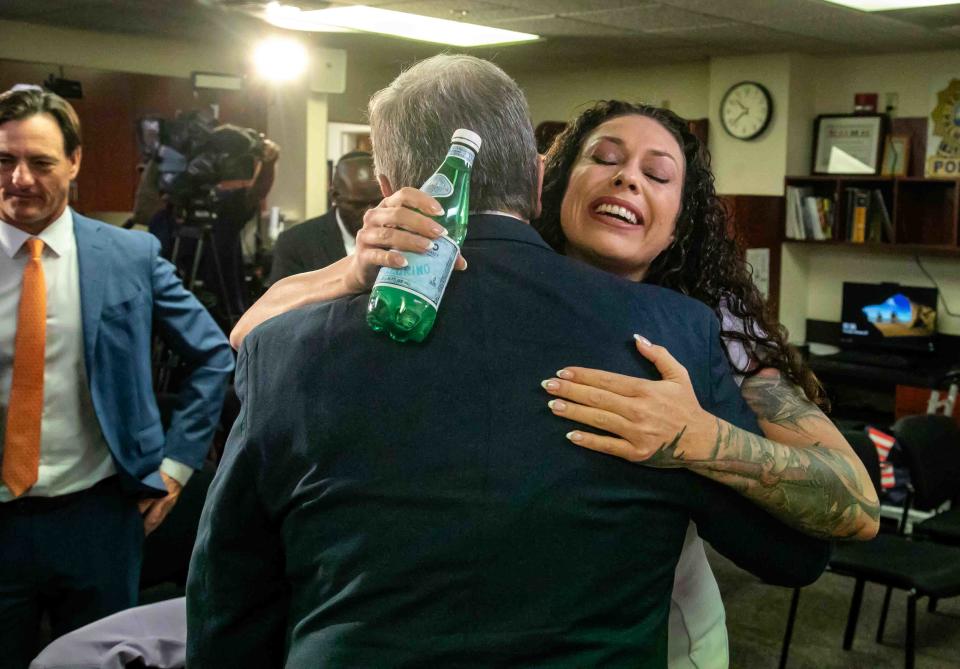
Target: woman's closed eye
[[604, 159]]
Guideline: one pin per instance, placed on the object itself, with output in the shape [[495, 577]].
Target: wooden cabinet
[[925, 213]]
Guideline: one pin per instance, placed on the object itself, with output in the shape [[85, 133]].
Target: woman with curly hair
[[628, 189]]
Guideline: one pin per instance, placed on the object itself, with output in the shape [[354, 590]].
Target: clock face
[[746, 110]]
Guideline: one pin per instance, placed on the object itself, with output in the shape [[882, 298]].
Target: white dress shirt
[[73, 452], [349, 241]]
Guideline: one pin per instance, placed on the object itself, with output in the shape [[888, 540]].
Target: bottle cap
[[467, 137]]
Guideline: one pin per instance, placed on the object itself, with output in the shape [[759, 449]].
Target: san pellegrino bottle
[[404, 301]]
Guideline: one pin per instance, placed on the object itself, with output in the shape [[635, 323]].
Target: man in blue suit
[[386, 505], [86, 466]]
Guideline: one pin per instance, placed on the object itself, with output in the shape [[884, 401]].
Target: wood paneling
[[916, 130], [758, 223]]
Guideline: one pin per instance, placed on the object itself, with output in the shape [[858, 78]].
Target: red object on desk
[[912, 401]]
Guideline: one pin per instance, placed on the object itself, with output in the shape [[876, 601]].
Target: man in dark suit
[[84, 452], [321, 241], [385, 505]]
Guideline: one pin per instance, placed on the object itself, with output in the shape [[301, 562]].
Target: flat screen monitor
[[889, 316]]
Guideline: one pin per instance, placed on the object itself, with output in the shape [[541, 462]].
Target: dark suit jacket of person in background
[[383, 504], [313, 244]]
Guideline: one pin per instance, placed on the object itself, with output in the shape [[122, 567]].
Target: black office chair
[[922, 568], [918, 435]]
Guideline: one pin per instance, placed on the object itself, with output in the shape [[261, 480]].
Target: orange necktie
[[21, 448]]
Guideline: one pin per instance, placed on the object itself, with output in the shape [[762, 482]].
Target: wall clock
[[746, 110]]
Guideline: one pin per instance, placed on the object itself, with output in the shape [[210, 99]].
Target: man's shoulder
[[308, 228], [127, 240], [673, 301], [312, 323], [649, 298]]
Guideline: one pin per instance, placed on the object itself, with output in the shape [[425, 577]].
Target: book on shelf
[[868, 219], [879, 225], [808, 216], [858, 201]]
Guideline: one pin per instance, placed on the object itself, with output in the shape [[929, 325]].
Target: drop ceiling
[[577, 33]]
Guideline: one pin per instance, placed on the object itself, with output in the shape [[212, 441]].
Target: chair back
[[931, 450], [867, 452]]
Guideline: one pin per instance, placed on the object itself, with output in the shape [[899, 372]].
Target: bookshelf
[[924, 213]]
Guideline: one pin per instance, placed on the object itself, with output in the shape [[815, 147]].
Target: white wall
[[812, 286], [911, 75], [363, 80], [755, 167], [559, 96]]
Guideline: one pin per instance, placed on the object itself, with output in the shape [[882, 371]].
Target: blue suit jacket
[[391, 505], [128, 292]]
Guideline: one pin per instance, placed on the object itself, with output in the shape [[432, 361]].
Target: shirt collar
[[349, 241], [58, 236]]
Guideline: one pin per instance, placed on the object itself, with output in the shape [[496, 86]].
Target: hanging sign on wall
[[943, 140]]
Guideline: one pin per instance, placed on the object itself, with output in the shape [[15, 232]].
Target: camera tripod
[[202, 232]]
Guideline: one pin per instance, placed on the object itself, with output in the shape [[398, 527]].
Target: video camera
[[194, 156]]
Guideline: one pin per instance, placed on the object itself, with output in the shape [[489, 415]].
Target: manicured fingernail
[[643, 340], [436, 209], [437, 229], [557, 405], [403, 262], [565, 374], [550, 384], [575, 436], [427, 244], [465, 263]]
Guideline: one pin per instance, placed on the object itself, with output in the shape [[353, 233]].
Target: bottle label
[[426, 274], [463, 153], [438, 186]]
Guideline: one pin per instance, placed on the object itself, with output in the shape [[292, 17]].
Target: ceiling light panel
[[887, 5], [409, 26]]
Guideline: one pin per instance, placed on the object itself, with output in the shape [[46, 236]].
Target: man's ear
[[385, 187], [74, 160], [538, 206]]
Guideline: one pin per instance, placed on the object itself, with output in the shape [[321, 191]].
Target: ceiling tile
[[559, 27], [471, 11], [760, 11], [651, 19], [572, 6], [748, 38]]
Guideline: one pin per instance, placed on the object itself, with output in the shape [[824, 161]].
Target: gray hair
[[412, 120]]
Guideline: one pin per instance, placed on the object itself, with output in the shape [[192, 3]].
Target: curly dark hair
[[705, 260]]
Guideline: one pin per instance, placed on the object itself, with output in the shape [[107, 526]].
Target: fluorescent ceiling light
[[278, 59], [398, 24], [887, 5], [289, 17]]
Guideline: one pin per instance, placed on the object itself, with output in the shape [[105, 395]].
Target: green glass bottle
[[404, 302]]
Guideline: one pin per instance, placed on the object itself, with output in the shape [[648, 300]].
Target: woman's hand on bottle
[[657, 423], [394, 225], [388, 228]]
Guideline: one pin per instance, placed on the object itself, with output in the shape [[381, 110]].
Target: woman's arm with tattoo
[[802, 470]]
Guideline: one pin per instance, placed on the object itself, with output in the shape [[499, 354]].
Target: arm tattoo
[[669, 455], [777, 401], [813, 488]]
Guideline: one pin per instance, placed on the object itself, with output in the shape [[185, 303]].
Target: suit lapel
[[329, 247], [93, 263]]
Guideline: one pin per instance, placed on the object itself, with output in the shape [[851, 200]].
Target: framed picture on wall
[[896, 156], [848, 143]]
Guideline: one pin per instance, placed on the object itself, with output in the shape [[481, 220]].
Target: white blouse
[[697, 637]]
